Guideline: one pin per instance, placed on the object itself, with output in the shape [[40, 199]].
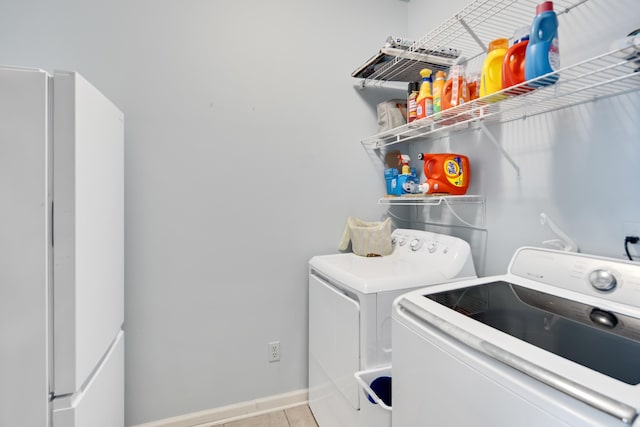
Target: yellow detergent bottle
[[438, 87], [491, 78], [425, 100]]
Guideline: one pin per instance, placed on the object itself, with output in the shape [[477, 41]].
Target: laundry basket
[[376, 384]]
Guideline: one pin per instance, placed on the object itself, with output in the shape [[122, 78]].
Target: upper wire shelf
[[468, 33]]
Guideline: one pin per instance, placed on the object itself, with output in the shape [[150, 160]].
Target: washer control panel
[[411, 243], [608, 278]]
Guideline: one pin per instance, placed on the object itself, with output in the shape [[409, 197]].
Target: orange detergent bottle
[[446, 173], [513, 62], [455, 91]]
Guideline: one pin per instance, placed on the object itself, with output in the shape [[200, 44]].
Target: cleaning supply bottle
[[473, 85], [407, 182], [542, 53], [446, 173], [438, 87], [412, 105], [513, 64], [491, 77], [425, 99], [404, 160], [455, 90]]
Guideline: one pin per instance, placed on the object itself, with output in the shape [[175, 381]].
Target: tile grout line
[[221, 423]]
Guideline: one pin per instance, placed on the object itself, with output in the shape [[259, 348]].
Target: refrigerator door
[[88, 225], [24, 247], [100, 402]]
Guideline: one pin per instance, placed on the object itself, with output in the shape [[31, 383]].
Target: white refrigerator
[[61, 252]]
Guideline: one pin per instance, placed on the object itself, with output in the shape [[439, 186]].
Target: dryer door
[[334, 337]]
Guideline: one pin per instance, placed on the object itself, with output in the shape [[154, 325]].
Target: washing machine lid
[[559, 337], [604, 341], [378, 274]]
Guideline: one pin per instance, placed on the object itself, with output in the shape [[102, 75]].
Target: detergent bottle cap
[[498, 44], [425, 73], [521, 34], [440, 75], [424, 187], [544, 7]]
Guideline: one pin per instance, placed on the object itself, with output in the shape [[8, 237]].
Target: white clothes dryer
[[350, 300], [553, 342]]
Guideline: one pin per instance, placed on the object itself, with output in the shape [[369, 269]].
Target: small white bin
[[377, 387]]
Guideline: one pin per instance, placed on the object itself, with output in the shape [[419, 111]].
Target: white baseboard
[[238, 411]]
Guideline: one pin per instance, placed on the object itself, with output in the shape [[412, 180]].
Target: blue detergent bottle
[[542, 54]]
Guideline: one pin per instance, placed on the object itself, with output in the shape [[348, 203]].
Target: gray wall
[[242, 161], [579, 165]]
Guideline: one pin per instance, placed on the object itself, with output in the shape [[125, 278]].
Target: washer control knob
[[433, 246], [602, 280], [401, 241], [415, 244], [394, 240]]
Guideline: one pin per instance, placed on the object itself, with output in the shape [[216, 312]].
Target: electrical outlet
[[274, 351]]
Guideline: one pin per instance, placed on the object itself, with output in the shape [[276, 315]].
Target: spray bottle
[[404, 159], [407, 181], [425, 100]]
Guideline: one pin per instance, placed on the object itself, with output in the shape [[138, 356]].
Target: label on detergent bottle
[[554, 54], [454, 172], [425, 99], [412, 104], [424, 108]]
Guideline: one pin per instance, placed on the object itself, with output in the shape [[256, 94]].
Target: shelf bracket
[[473, 34], [483, 128]]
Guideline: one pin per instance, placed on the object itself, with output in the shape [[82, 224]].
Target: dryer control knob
[[432, 247], [602, 280], [401, 241], [415, 244]]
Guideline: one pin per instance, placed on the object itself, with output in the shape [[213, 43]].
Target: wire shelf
[[432, 200], [448, 202], [603, 76], [468, 33]]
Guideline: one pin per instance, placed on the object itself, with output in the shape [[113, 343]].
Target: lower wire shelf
[[448, 202], [429, 199]]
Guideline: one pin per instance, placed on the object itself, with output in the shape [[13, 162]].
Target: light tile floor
[[298, 416]]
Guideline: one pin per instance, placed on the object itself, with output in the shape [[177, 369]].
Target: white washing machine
[[350, 300], [554, 342]]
